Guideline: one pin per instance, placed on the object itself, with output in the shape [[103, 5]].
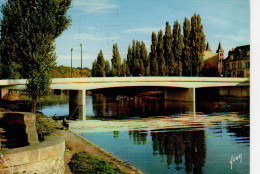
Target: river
[[215, 141]]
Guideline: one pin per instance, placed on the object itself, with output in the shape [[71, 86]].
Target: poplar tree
[[177, 47], [100, 68], [116, 61], [28, 33], [94, 69], [197, 39], [186, 52], [145, 59], [167, 46], [107, 68], [153, 56], [160, 54], [123, 68], [129, 61], [133, 66]]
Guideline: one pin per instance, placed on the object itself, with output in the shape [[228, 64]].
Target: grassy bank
[[82, 156], [82, 162]]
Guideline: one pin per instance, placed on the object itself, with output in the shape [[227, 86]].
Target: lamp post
[[81, 58], [71, 63]]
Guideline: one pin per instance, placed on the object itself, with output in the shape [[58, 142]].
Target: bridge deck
[[110, 82]]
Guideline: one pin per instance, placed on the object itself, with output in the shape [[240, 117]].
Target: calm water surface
[[221, 148]]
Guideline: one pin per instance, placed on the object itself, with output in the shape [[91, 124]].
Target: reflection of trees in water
[[116, 134], [139, 137], [176, 145], [242, 132]]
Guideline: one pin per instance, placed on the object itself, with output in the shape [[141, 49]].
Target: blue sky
[[98, 24]]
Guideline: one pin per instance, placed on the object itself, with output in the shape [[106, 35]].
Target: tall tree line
[[174, 53]]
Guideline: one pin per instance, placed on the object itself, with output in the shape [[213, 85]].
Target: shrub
[[42, 128], [84, 163]]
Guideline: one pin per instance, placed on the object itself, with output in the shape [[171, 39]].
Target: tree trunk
[[34, 103]]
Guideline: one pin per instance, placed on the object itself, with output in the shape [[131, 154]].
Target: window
[[247, 65], [239, 65], [240, 74], [228, 66], [248, 53], [232, 57], [233, 65]]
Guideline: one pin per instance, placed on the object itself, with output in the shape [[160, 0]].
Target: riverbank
[[75, 143]]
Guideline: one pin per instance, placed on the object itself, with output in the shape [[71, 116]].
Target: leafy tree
[[167, 46], [129, 61], [160, 54], [28, 32], [197, 40], [177, 47], [124, 68], [153, 56], [133, 58], [186, 52], [100, 66], [116, 61], [94, 69], [107, 69], [145, 59], [209, 70]]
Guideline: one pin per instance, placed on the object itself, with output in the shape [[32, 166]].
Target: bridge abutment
[[77, 104]]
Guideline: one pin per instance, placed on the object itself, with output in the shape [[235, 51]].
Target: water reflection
[[139, 138], [178, 144], [145, 105], [185, 150], [121, 104]]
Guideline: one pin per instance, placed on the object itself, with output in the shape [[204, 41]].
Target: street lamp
[[71, 63], [81, 59]]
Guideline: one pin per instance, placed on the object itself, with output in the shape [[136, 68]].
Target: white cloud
[[94, 6]]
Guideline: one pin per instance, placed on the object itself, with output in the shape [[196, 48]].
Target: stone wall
[[20, 129], [42, 158]]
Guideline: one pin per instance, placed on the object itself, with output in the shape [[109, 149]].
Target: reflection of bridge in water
[[176, 88]]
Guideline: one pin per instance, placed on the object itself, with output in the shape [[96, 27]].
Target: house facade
[[237, 64]]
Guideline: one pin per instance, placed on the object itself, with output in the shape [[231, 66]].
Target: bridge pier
[[182, 94], [77, 104]]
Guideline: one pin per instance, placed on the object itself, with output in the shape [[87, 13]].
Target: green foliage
[[145, 60], [65, 72], [160, 54], [167, 46], [172, 54], [177, 47], [42, 128], [153, 56], [116, 61], [28, 32], [107, 68], [186, 52], [124, 68], [209, 70], [129, 60], [99, 66], [197, 41], [84, 163]]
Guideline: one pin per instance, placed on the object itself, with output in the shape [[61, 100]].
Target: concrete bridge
[[176, 88]]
